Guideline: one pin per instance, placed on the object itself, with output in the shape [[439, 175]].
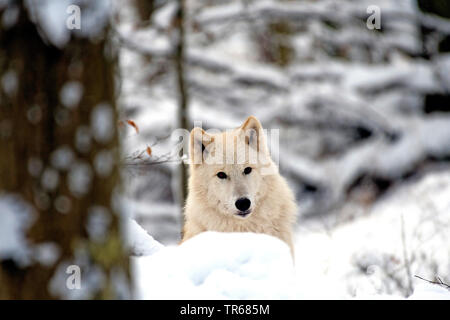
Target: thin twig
[[439, 282]]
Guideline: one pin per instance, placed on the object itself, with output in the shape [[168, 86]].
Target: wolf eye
[[247, 170], [222, 175]]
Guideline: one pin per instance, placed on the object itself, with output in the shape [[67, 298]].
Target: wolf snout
[[243, 204]]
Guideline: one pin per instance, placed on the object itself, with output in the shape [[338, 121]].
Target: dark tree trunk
[[34, 123], [183, 121], [144, 9]]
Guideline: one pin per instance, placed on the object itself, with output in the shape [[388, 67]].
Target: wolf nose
[[243, 204]]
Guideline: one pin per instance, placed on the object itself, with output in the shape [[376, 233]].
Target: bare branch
[[439, 282]]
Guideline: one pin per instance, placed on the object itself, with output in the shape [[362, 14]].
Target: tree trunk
[[144, 9], [58, 150], [182, 93]]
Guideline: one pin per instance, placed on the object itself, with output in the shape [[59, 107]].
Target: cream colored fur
[[210, 203]]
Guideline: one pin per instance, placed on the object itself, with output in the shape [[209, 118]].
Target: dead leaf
[[134, 125]]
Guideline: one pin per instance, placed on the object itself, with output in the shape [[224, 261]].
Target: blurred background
[[363, 116]]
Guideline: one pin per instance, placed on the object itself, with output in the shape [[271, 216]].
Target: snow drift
[[216, 265]]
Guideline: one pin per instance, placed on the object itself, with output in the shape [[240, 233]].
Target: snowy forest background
[[364, 143]]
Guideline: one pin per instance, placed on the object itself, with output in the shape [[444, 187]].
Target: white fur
[[210, 203]]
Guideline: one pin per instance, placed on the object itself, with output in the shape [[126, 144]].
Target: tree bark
[[144, 9], [34, 124], [183, 121]]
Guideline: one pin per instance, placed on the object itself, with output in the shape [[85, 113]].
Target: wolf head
[[229, 168]]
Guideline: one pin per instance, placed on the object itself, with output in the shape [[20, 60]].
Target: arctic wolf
[[234, 185]]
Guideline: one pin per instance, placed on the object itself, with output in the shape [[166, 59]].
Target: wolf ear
[[254, 135], [199, 141]]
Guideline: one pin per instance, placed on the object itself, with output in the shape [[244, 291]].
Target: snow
[[443, 66], [430, 292], [63, 204], [217, 266], [10, 82], [220, 12], [35, 166], [71, 93], [4, 3], [47, 253], [80, 178], [83, 139], [361, 259], [139, 241], [365, 256], [344, 249], [15, 218], [165, 15], [103, 163], [92, 278], [10, 16], [50, 179], [141, 210], [98, 223], [52, 17], [62, 158], [102, 122], [228, 74], [240, 266]]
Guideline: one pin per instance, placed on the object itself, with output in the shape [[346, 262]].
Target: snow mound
[[428, 291], [139, 241], [216, 265]]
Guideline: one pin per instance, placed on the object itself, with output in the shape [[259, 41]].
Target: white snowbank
[[217, 266], [329, 259], [430, 292], [424, 291], [139, 241], [364, 256]]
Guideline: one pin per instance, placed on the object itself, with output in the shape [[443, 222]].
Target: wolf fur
[[211, 201]]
